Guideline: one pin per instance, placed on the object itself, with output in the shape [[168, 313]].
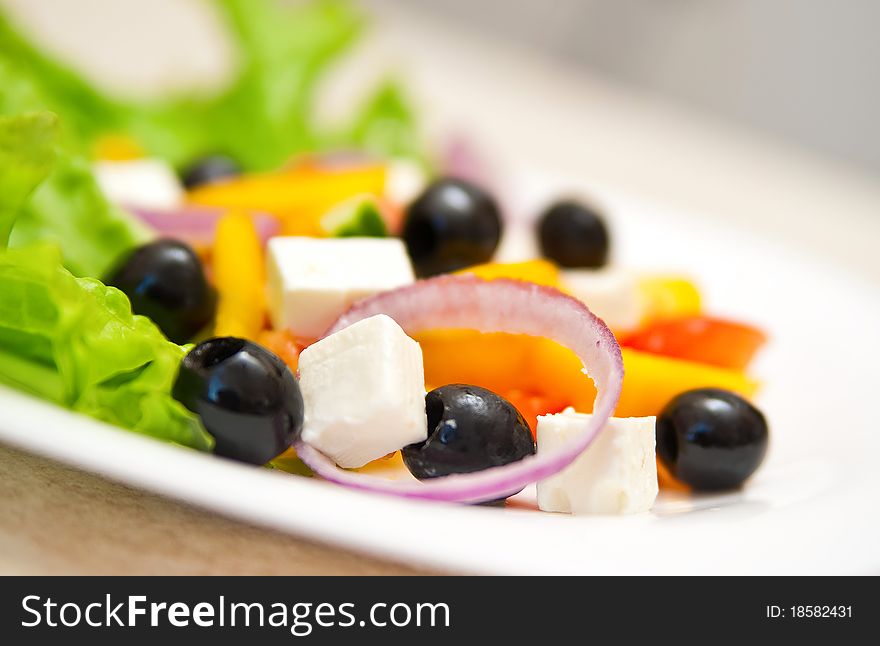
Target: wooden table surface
[[55, 519], [58, 520]]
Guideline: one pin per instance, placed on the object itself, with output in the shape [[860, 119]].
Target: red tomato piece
[[704, 339]]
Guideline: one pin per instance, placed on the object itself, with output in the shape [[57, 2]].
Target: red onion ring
[[467, 302]]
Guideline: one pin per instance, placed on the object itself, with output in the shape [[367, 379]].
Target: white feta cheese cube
[[363, 390], [617, 474], [311, 281], [611, 294], [145, 183]]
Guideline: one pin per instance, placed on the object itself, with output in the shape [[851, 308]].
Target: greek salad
[[227, 274]]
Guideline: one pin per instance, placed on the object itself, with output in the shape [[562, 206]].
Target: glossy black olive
[[209, 169], [165, 281], [469, 429], [573, 235], [452, 225], [711, 439], [246, 397]]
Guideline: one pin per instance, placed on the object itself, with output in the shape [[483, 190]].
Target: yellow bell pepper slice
[[298, 196], [390, 467], [655, 380], [117, 148], [542, 272], [238, 273], [667, 297]]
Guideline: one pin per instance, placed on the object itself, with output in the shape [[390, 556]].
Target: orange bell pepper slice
[[523, 366], [509, 362], [649, 382], [497, 361], [531, 405], [298, 196], [283, 344]]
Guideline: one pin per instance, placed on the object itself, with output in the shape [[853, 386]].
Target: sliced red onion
[[467, 302], [197, 224], [461, 158]]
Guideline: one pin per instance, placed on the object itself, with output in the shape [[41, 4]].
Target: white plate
[[812, 508]]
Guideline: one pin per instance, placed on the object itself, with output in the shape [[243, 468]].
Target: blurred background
[[803, 70], [760, 111]]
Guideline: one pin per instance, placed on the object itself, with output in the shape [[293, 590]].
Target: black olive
[[209, 169], [711, 439], [165, 281], [573, 235], [452, 225], [469, 429], [246, 397]]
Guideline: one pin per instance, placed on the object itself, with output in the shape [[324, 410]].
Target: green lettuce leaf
[[70, 210], [358, 217], [67, 207], [71, 340], [385, 126], [266, 114], [27, 152], [75, 341]]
